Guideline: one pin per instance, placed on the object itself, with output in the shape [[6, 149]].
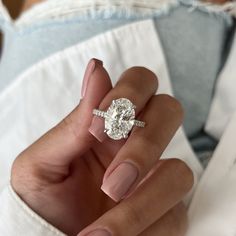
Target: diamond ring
[[119, 118]]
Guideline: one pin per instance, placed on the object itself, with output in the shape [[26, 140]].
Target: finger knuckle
[[144, 74], [130, 90], [172, 103], [178, 219], [69, 126], [184, 172], [16, 165], [22, 172], [133, 215], [154, 149], [66, 125], [138, 154]]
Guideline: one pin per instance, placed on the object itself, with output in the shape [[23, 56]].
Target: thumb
[[70, 137]]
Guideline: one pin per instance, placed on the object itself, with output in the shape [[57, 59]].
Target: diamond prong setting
[[119, 118]]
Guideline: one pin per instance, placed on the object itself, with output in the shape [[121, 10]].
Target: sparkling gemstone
[[119, 118]]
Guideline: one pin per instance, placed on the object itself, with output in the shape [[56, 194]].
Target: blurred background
[[15, 7]]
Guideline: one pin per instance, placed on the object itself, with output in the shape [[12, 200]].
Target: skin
[[60, 175], [218, 1]]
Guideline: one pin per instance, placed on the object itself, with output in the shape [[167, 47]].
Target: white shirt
[[212, 209]]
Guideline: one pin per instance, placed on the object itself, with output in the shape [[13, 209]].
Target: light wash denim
[[195, 44]]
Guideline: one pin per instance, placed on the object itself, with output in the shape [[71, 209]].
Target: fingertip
[[97, 232], [97, 129], [110, 194], [99, 83], [120, 181]]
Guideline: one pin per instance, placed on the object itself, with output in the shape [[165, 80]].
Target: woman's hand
[[60, 175]]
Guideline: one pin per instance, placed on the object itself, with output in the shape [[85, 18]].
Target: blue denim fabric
[[193, 43]]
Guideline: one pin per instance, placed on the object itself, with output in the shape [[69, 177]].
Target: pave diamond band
[[97, 112], [139, 123], [119, 118]]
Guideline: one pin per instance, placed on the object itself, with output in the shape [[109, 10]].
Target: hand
[[60, 175], [218, 1]]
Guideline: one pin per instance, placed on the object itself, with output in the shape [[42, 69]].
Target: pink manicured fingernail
[[89, 70], [97, 128], [119, 182], [99, 232]]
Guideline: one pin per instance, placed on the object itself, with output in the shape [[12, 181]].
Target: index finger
[[70, 137]]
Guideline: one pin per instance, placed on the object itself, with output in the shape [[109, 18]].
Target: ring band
[[119, 118]]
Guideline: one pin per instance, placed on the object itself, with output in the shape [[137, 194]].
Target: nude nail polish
[[99, 232], [88, 72], [97, 128], [120, 181]]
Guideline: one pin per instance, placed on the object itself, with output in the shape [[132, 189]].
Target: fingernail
[[89, 70], [99, 232], [97, 128], [119, 182]]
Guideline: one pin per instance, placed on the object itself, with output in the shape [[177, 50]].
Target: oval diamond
[[119, 118]]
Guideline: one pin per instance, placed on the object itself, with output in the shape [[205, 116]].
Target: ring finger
[[163, 115], [137, 84]]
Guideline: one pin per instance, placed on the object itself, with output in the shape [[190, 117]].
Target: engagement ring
[[119, 118]]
